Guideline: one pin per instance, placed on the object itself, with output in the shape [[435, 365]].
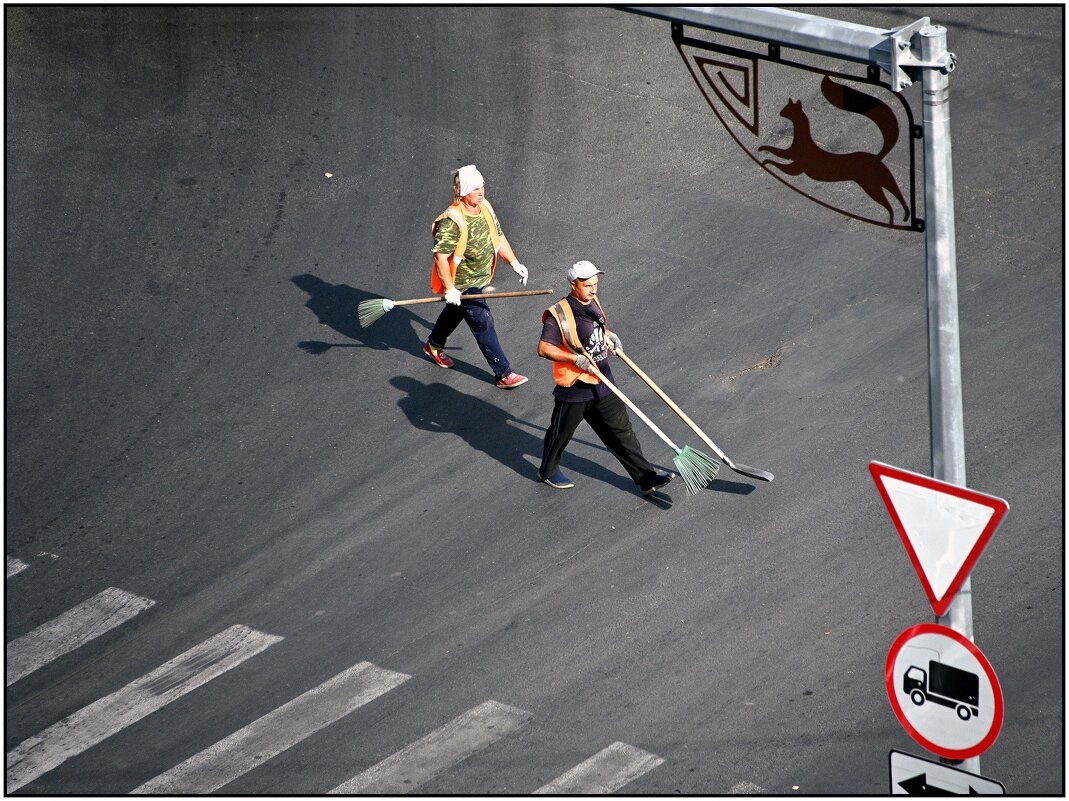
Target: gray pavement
[[194, 415]]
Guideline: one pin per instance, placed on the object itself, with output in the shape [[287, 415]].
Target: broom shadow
[[488, 429], [337, 307]]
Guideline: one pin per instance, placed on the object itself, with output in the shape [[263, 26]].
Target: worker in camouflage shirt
[[467, 242]]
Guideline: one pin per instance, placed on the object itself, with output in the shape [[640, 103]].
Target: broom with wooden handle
[[697, 468], [371, 310], [752, 472]]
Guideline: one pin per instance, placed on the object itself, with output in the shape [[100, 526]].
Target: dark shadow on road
[[731, 487], [489, 430], [660, 499], [336, 306]]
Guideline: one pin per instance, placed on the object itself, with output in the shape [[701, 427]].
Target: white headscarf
[[470, 179]]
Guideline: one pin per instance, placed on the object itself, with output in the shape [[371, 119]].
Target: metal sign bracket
[[905, 65]]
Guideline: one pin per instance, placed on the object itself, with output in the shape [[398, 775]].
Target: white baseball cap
[[470, 179], [582, 270]]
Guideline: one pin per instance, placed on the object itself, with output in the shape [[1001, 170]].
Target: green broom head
[[371, 310], [697, 468]]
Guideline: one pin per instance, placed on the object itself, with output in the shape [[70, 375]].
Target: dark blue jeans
[[477, 315]]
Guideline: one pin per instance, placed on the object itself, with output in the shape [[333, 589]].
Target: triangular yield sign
[[943, 526]]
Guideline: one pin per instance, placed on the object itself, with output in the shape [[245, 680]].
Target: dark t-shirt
[[590, 326]]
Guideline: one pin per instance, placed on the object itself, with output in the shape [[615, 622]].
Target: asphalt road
[[195, 417]]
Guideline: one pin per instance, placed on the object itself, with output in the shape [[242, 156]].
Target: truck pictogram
[[945, 685]]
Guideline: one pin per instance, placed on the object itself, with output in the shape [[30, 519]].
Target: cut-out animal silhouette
[[867, 170]]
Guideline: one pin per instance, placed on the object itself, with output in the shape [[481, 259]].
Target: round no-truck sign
[[944, 691]]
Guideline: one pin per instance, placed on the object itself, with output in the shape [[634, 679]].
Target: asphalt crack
[[768, 364]]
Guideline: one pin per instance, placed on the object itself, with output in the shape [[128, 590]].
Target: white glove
[[614, 342], [521, 271], [452, 296], [583, 363]]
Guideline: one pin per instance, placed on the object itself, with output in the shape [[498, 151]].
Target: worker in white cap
[[575, 338], [467, 243]]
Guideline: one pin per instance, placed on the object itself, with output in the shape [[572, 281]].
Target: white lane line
[[605, 772], [443, 748], [73, 629], [94, 723], [272, 734], [15, 566]]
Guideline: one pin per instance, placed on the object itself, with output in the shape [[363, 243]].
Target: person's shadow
[[489, 430], [337, 306]]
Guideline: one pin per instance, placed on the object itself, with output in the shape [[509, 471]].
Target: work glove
[[452, 296], [614, 341], [583, 363], [521, 271]]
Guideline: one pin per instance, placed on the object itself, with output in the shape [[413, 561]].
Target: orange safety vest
[[456, 213], [566, 373]]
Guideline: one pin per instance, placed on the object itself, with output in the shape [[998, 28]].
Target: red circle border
[[996, 689]]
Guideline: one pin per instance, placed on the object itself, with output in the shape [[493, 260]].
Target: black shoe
[[655, 482]]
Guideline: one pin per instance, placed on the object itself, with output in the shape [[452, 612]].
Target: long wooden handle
[[634, 408], [670, 402], [440, 298]]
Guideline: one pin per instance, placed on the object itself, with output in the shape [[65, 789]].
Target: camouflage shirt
[[474, 270]]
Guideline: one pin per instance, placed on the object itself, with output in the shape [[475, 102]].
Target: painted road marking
[[605, 772], [440, 750], [73, 629], [272, 734], [109, 715], [748, 788], [15, 566]]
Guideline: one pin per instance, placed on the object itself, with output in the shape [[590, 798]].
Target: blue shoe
[[559, 480]]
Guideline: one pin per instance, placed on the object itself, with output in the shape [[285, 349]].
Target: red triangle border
[[998, 506]]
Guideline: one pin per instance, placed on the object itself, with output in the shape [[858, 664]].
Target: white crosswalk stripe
[[605, 772], [109, 715], [71, 630], [15, 566], [443, 748], [275, 732], [748, 788]]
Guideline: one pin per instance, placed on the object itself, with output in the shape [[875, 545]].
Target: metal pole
[[944, 354]]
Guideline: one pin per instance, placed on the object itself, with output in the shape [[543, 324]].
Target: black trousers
[[608, 417]]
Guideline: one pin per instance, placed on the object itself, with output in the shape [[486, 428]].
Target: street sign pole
[[945, 407], [944, 354]]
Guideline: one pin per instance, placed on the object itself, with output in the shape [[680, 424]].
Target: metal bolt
[[903, 44]]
